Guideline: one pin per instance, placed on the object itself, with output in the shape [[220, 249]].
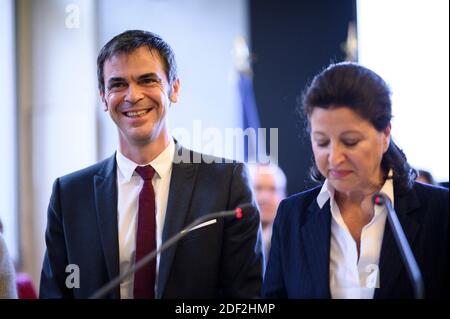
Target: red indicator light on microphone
[[238, 213]]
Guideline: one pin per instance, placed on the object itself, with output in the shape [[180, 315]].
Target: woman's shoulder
[[431, 193], [429, 203], [306, 196], [297, 203]]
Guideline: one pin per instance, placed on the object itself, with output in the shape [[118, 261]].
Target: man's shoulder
[[184, 155], [100, 168], [426, 191]]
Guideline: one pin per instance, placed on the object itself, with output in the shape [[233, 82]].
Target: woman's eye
[[351, 143], [322, 143]]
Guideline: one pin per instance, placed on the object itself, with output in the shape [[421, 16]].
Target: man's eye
[[149, 81], [117, 85]]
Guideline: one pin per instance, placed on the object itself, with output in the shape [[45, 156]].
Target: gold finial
[[241, 55], [350, 47]]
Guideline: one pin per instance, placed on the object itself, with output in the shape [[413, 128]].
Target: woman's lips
[[339, 173]]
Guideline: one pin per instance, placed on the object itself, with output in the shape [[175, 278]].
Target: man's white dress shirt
[[129, 185]]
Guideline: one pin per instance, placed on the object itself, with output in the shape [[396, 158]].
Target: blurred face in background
[[348, 149], [269, 190]]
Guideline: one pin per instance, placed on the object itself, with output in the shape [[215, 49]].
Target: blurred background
[[52, 120]]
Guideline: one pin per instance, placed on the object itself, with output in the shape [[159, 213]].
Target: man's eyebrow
[[149, 75], [115, 79], [143, 76]]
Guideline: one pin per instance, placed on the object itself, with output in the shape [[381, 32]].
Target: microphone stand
[[410, 262], [141, 263]]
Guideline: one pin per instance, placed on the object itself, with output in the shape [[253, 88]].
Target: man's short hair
[[131, 40], [271, 169]]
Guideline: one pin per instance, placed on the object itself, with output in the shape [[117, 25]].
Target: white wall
[[407, 43], [61, 110], [8, 137], [201, 32]]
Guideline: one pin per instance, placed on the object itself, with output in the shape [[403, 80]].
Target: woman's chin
[[343, 186]]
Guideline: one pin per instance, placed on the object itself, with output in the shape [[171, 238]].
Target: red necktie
[[144, 279]]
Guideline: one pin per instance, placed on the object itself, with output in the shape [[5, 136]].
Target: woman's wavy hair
[[351, 85]]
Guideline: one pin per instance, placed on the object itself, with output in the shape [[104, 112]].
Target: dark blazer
[[300, 255], [220, 260]]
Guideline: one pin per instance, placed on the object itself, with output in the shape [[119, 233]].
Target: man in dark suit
[[103, 219]]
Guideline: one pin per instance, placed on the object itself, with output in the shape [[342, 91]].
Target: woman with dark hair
[[331, 241]]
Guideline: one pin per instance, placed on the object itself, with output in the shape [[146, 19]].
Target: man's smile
[[137, 113]]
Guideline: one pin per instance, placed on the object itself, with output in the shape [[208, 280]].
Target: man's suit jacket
[[219, 260], [299, 259]]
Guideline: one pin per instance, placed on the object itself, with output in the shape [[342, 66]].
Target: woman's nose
[[336, 155]]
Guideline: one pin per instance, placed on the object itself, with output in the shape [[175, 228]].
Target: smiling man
[[105, 218]]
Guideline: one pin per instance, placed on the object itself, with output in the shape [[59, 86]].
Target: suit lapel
[[391, 262], [180, 193], [105, 189], [316, 232]]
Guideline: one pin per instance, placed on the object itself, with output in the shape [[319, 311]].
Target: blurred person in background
[[7, 273], [425, 177], [269, 184], [24, 283]]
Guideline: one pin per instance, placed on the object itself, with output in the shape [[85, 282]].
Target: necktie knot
[[146, 172]]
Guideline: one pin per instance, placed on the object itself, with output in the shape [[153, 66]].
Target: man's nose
[[134, 94], [264, 195]]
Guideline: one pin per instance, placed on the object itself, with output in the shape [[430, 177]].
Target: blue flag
[[250, 114]]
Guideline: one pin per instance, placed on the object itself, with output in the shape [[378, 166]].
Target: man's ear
[[105, 104], [173, 97], [386, 137]]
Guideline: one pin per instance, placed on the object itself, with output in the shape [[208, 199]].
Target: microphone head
[[378, 199], [238, 213], [381, 199], [244, 209]]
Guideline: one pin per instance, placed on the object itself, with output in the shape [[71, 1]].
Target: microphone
[[237, 212], [410, 262]]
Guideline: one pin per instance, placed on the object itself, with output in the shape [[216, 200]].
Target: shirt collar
[[162, 164], [327, 191]]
